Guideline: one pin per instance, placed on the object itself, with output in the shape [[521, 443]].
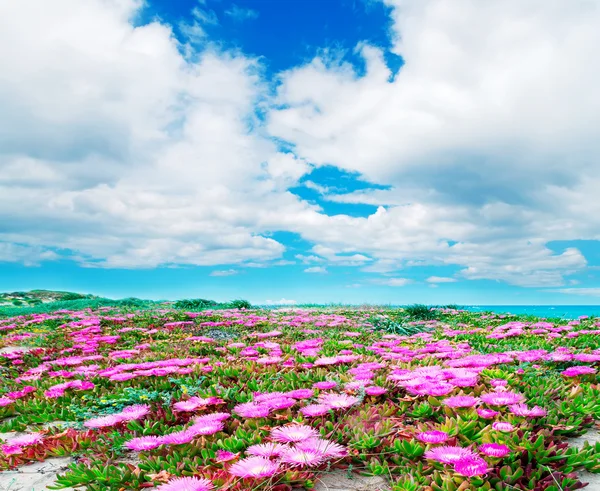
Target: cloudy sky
[[390, 151]]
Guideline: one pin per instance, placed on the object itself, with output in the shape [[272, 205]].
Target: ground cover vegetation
[[201, 396]]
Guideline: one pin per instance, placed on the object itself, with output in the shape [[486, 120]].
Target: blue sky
[[381, 151]]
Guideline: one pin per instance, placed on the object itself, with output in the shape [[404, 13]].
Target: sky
[[355, 151]]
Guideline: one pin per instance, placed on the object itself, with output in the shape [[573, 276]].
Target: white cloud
[[486, 140], [440, 279], [588, 292], [316, 270], [392, 281], [281, 301], [241, 14], [224, 272], [118, 148]]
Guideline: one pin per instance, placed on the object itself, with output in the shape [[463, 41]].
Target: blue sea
[[547, 311]]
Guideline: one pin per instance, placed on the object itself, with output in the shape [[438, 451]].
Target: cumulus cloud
[[118, 148], [486, 140], [316, 270], [121, 149]]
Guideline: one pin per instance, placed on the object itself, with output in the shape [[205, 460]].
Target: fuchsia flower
[[297, 457], [267, 450], [137, 411], [25, 440], [523, 410], [338, 401], [486, 413], [314, 410], [494, 449], [103, 421], [449, 455], [433, 436], [143, 443], [503, 426], [578, 370], [6, 401], [225, 456], [256, 467], [461, 401], [178, 437], [300, 393], [502, 398], [472, 466], [187, 484], [293, 433], [251, 410], [324, 385], [375, 390]]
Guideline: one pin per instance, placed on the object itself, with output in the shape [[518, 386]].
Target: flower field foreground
[[273, 399]]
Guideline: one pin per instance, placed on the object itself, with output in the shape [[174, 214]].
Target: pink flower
[[503, 426], [432, 436], [293, 433], [300, 393], [103, 421], [225, 456], [5, 401], [12, 449], [206, 427], [472, 466], [324, 385], [494, 449], [578, 370], [301, 458], [502, 398], [186, 484], [255, 467], [325, 447], [25, 440], [178, 437], [449, 455], [375, 390], [137, 411], [461, 401], [523, 410], [313, 410], [251, 410], [487, 413], [266, 450], [338, 401], [143, 443]]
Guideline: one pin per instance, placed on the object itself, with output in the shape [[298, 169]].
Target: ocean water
[[547, 311]]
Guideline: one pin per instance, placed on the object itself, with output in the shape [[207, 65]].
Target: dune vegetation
[[228, 397]]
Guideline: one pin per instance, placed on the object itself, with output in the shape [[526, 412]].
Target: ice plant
[[433, 436], [460, 401], [293, 433], [144, 443], [494, 449], [297, 457], [471, 466], [503, 426], [187, 484], [448, 455], [256, 467]]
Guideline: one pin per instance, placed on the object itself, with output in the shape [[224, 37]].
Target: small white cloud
[[241, 14], [316, 269], [588, 292], [393, 281], [309, 259], [441, 279], [226, 272], [281, 301]]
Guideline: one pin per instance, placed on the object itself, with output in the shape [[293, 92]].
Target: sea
[[544, 311]]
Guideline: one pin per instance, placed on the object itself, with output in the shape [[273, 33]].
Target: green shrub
[[421, 312]]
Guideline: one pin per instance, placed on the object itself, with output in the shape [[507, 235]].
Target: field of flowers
[[274, 399]]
